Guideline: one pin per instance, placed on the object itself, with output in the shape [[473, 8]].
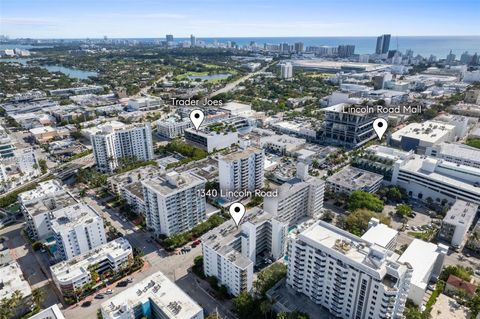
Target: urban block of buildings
[[153, 297]]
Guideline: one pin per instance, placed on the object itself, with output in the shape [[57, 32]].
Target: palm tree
[[16, 298], [265, 308], [38, 295]]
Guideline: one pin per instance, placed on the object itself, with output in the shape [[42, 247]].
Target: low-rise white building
[[419, 136], [52, 312], [173, 127], [423, 177], [144, 103], [281, 144], [210, 140], [381, 235], [455, 153], [12, 280], [351, 179], [154, 297], [457, 222], [73, 274], [237, 109], [426, 260]]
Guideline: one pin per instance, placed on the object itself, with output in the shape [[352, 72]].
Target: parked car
[[109, 291], [99, 296], [86, 304]]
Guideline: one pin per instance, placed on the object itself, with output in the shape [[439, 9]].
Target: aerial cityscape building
[[148, 171]]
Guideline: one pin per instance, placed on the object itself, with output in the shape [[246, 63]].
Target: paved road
[[34, 271], [232, 85], [84, 161]]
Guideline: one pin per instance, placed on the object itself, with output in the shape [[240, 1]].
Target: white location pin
[[380, 126], [237, 211], [197, 117]]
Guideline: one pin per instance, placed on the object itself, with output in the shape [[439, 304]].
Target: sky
[[241, 18]]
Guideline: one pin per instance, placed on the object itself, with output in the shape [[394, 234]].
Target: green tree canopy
[[357, 222], [361, 199]]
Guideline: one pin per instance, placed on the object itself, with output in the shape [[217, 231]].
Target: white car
[[109, 291]]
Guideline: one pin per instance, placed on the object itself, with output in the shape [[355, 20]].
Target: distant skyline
[[227, 18]]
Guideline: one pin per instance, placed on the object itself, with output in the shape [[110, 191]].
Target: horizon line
[[236, 37]]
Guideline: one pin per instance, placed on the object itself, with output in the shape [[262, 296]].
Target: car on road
[[109, 291], [86, 304], [122, 283], [99, 296]]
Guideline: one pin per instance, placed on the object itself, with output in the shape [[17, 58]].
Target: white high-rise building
[[77, 229], [127, 141], [174, 203], [229, 253], [242, 170], [286, 70], [349, 276], [301, 196]]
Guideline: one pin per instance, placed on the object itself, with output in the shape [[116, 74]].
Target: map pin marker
[[237, 211], [197, 117], [380, 126]]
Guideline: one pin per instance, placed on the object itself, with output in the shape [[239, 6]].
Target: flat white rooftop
[[52, 312], [444, 172], [43, 189], [76, 267], [459, 151], [380, 234], [461, 213], [158, 289], [12, 280], [73, 215], [421, 256], [428, 131]]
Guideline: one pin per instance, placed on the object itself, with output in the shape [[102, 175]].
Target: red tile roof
[[462, 284]]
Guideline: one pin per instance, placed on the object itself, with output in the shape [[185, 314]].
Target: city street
[[174, 266]]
